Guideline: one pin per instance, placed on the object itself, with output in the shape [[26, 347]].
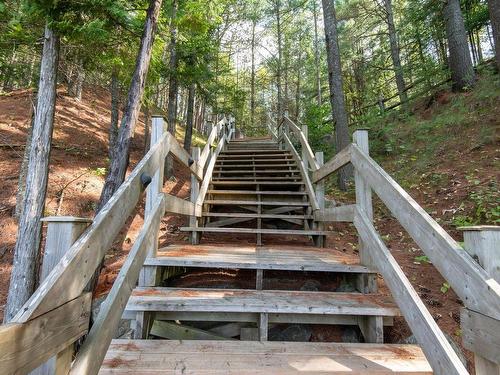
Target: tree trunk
[[462, 71], [279, 107], [147, 124], [26, 252], [337, 99], [77, 77], [316, 53], [173, 87], [115, 111], [119, 163], [21, 182], [298, 88], [396, 60], [494, 8], [252, 78], [189, 118]]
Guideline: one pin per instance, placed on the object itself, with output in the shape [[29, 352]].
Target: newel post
[[367, 282], [195, 189], [62, 232], [481, 333], [319, 241]]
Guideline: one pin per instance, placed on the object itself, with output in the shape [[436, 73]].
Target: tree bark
[[147, 125], [252, 78], [21, 183], [494, 8], [115, 112], [462, 71], [173, 87], [26, 252], [335, 82], [396, 60], [316, 54], [119, 163], [298, 87], [279, 107], [189, 118]]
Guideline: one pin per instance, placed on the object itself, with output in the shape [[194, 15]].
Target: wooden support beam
[[320, 196], [334, 214], [195, 189], [174, 331], [436, 347], [372, 328], [334, 164], [25, 346], [263, 326], [179, 206]]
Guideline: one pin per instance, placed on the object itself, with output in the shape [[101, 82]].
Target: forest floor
[[445, 154]]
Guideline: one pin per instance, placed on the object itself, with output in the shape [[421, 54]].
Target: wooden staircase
[[257, 188], [272, 189]]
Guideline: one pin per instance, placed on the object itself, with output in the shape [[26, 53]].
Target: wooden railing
[[58, 312], [478, 290]]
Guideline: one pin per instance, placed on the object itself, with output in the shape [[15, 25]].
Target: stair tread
[[263, 182], [260, 301], [255, 192], [269, 357], [256, 166], [299, 232], [255, 203], [260, 178], [299, 258]]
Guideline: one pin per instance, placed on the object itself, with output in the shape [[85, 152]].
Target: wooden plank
[[91, 354], [305, 175], [25, 346], [340, 213], [334, 164], [179, 206], [260, 301], [73, 272], [208, 145], [290, 258], [195, 188], [254, 231], [174, 331], [263, 326], [239, 183], [372, 328], [481, 334], [436, 347], [253, 192], [260, 172], [283, 179], [253, 357], [472, 284], [256, 203], [306, 148]]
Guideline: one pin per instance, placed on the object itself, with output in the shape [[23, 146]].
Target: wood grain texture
[[331, 166], [91, 354], [339, 213], [436, 347], [472, 284], [481, 334], [25, 346], [254, 357], [260, 301]]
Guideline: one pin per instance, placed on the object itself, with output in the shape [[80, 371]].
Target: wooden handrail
[[90, 357], [436, 347], [470, 282], [211, 138], [338, 161], [304, 144]]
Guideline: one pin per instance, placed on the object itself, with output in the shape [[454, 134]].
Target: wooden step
[[253, 166], [258, 172], [299, 232], [260, 301], [235, 156], [262, 182], [221, 159], [290, 258], [254, 192], [255, 216], [253, 151], [255, 203], [285, 179], [259, 358]]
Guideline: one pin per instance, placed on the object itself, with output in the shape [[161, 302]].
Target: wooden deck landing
[[274, 358]]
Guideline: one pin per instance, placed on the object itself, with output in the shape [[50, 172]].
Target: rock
[[351, 334], [346, 287], [128, 335], [311, 286], [411, 340], [294, 332]]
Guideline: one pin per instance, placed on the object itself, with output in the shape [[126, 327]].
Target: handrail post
[[195, 189], [62, 232], [320, 194], [367, 283], [149, 274], [482, 243]]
